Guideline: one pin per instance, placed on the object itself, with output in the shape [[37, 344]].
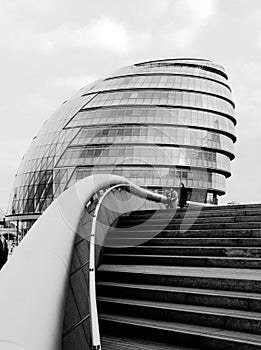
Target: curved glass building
[[157, 123]]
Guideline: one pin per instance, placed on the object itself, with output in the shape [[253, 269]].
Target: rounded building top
[[196, 62], [154, 122], [176, 59]]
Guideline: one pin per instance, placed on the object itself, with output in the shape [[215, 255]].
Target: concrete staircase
[[184, 282]]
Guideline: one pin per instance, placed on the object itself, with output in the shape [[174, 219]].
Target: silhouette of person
[[3, 251], [172, 197], [183, 196]]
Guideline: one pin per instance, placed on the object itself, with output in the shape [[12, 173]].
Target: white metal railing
[[136, 191], [95, 334]]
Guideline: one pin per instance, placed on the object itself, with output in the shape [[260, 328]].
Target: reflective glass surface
[[201, 63], [166, 81], [162, 97], [138, 154], [153, 115], [155, 135], [34, 182], [193, 70], [140, 122], [158, 176]]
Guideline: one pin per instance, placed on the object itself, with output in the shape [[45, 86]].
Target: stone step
[[130, 222], [208, 208], [184, 241], [203, 338], [158, 225], [229, 279], [192, 296], [194, 273], [203, 211], [245, 252], [172, 260], [227, 319], [114, 341], [233, 233]]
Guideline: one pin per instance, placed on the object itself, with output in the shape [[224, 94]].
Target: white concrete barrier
[[33, 283]]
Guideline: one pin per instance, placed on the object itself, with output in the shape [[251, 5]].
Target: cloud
[[34, 5], [202, 9], [103, 33], [156, 7], [20, 22], [185, 20], [72, 82], [259, 38], [182, 37], [252, 69]]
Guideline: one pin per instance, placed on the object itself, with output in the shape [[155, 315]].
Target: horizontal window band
[[161, 89], [156, 124], [189, 126], [153, 126], [220, 171], [218, 191], [228, 116], [230, 155], [195, 171], [137, 74], [184, 63], [193, 177], [130, 166]]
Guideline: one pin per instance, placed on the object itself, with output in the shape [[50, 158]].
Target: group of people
[[3, 251], [174, 199]]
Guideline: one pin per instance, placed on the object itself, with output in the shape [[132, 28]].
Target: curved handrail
[[138, 191], [96, 341], [39, 268]]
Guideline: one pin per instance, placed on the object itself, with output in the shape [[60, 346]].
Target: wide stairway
[[192, 281]]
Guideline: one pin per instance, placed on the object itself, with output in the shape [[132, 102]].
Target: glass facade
[[150, 115], [157, 123], [166, 82], [194, 100]]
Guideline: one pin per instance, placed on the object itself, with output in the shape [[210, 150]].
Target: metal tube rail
[[95, 334], [137, 191]]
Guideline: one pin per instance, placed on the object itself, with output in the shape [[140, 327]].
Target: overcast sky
[[52, 48]]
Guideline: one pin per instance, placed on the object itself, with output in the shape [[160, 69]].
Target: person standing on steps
[[173, 198], [3, 251], [183, 196]]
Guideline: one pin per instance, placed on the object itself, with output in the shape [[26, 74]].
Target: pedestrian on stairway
[[3, 251], [173, 198], [183, 196], [168, 203]]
